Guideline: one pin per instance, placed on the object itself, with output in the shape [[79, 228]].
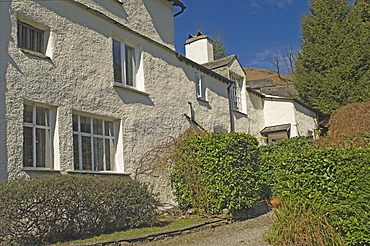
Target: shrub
[[60, 208], [352, 118], [296, 223], [337, 177], [216, 171], [344, 141]]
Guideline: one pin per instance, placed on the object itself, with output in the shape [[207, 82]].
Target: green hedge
[[60, 208], [336, 177], [216, 171]]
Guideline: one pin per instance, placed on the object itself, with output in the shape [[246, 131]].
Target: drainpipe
[[232, 123]]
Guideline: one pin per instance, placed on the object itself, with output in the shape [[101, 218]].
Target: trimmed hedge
[[62, 208], [216, 171], [336, 177]]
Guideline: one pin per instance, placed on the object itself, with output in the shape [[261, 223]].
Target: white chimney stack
[[199, 48]]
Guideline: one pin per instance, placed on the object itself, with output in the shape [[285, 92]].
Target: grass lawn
[[135, 232]]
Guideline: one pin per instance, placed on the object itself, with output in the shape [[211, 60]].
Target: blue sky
[[254, 30]]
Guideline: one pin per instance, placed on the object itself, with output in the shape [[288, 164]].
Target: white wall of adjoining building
[[280, 112], [306, 120]]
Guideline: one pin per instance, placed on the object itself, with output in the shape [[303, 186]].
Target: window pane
[[42, 116], [75, 122], [109, 154], [117, 62], [86, 153], [130, 65], [27, 146], [108, 128], [28, 113], [198, 85], [76, 157], [42, 148], [30, 37], [98, 154], [85, 124], [98, 126]]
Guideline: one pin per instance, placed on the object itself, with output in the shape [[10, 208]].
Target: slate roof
[[259, 83], [280, 91], [278, 128], [219, 62]]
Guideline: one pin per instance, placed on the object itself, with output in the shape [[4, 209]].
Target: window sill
[[118, 1], [34, 172], [102, 173], [129, 88], [40, 171], [239, 112], [36, 54], [202, 100]]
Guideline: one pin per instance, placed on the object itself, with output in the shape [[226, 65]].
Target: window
[[200, 87], [30, 38], [93, 143], [125, 63], [235, 93], [37, 141]]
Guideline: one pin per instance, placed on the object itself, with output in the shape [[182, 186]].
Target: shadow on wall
[[120, 11], [5, 30], [130, 97], [160, 22]]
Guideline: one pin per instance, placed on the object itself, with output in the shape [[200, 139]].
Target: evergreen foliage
[[65, 207], [334, 180], [219, 47], [333, 67], [216, 171]]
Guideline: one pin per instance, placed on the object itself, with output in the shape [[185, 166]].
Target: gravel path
[[248, 232]]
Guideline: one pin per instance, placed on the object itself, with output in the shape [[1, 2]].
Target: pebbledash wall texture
[[89, 86]]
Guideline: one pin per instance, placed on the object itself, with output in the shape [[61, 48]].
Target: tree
[[276, 63], [219, 47], [332, 68], [289, 57]]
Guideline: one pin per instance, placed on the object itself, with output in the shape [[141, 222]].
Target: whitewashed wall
[[79, 77]]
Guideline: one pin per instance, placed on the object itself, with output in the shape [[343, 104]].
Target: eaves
[[204, 69], [180, 57], [286, 99]]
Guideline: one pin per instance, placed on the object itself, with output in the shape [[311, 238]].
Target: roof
[[278, 128], [219, 62], [277, 98], [259, 83], [204, 69], [281, 91], [177, 3]]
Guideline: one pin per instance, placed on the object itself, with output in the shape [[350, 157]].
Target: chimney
[[199, 48]]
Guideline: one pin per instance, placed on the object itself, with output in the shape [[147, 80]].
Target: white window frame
[[93, 136], [236, 93], [200, 89], [120, 74], [49, 130]]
